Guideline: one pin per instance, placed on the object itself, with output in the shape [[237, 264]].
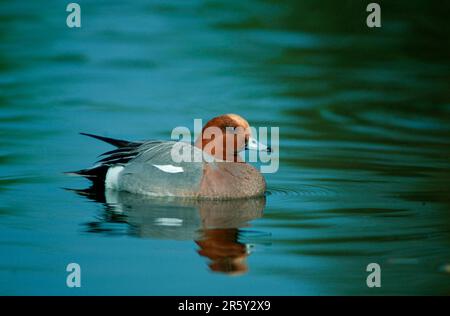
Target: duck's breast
[[228, 180]]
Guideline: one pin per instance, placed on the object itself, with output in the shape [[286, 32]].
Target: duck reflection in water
[[214, 225]]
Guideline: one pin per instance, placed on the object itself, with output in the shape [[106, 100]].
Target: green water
[[364, 118]]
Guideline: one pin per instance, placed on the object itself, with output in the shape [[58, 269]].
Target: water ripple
[[303, 190]]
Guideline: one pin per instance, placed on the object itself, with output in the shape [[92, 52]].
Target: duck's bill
[[253, 144]]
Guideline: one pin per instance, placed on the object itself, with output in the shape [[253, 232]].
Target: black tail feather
[[115, 142], [122, 154], [96, 174]]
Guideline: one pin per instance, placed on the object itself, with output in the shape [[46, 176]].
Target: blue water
[[364, 118]]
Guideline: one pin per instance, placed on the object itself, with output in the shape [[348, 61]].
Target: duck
[[148, 167]]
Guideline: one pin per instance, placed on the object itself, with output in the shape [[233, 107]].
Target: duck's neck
[[213, 148]]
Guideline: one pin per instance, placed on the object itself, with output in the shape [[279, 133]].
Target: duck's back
[[153, 172]]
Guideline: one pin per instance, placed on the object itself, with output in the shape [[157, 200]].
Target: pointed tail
[[115, 142]]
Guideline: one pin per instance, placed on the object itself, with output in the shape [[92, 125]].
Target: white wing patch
[[165, 221], [169, 168]]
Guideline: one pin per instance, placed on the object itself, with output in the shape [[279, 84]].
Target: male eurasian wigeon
[[148, 167]]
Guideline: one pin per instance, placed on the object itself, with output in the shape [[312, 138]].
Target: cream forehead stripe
[[239, 120]]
